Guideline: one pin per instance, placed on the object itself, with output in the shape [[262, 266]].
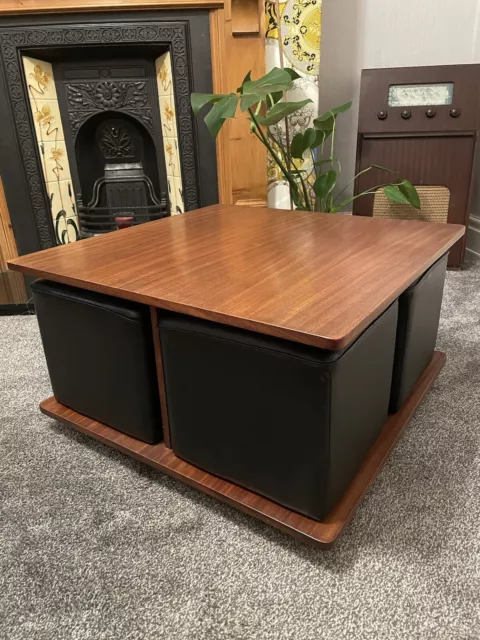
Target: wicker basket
[[434, 203]]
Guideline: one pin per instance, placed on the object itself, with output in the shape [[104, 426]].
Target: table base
[[320, 534]]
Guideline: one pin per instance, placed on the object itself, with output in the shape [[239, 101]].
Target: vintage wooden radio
[[421, 122]]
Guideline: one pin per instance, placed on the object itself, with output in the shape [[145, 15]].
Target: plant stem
[[314, 163], [350, 182], [291, 164], [279, 142], [261, 136], [333, 140], [366, 193]]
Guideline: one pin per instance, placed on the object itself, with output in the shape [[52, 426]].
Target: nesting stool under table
[[100, 357]]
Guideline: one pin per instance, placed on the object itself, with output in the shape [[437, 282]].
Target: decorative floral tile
[[172, 157], [47, 120], [52, 149], [54, 198], [62, 198], [73, 229], [163, 67], [168, 116], [55, 161], [66, 229], [171, 193], [179, 206], [39, 79]]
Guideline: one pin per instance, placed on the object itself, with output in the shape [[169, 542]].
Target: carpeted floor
[[96, 546]]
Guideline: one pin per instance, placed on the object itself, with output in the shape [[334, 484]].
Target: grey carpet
[[94, 545]]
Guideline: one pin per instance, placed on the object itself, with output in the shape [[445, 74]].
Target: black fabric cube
[[100, 357], [288, 421], [418, 318]]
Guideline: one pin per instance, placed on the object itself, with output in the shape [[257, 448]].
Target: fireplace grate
[[94, 220], [123, 197]]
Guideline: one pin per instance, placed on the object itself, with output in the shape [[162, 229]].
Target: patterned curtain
[[293, 31]]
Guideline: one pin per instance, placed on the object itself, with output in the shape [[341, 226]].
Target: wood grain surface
[[233, 56], [12, 289], [321, 534], [57, 6], [314, 278]]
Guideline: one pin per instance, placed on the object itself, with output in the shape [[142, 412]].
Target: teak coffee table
[[312, 278]]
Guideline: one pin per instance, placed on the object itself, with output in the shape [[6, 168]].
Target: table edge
[[330, 342]]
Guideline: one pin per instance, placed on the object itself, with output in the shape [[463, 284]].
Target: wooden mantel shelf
[[61, 6]]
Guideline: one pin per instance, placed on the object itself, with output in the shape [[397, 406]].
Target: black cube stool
[[418, 317], [100, 357], [288, 421]]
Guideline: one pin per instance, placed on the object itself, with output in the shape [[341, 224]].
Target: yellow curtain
[[293, 31]]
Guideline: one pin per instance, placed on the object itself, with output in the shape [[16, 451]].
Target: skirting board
[[321, 534]]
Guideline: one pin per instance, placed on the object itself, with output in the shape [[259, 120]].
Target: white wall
[[362, 34]]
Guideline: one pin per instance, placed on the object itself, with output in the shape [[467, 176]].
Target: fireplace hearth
[[99, 133]]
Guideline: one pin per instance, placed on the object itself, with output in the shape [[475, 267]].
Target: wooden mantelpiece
[[236, 49], [63, 6]]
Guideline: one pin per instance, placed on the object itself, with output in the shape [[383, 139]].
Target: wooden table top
[[315, 278]]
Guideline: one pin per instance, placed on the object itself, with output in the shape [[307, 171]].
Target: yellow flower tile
[[55, 161], [172, 158], [47, 120], [168, 116], [39, 79], [163, 68]]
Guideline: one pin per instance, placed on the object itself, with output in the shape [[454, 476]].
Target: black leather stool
[[100, 357], [418, 317], [285, 420]]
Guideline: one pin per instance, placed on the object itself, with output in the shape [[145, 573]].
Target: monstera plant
[[264, 101]]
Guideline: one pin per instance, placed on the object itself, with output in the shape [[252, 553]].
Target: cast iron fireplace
[[116, 142], [105, 76]]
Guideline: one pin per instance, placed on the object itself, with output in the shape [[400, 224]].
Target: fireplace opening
[[118, 173]]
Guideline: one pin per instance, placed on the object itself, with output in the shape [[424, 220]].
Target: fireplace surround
[[111, 46]]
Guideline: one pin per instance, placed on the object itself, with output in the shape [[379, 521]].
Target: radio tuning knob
[[406, 114], [430, 113], [454, 113], [382, 115]]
